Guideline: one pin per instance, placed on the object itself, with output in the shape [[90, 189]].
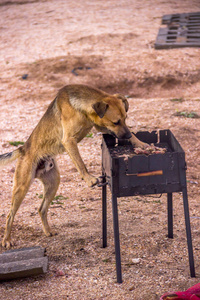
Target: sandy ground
[[110, 45]]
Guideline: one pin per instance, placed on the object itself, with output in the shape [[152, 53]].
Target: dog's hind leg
[[22, 180], [50, 179]]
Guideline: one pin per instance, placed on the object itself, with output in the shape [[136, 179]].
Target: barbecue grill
[[128, 174]]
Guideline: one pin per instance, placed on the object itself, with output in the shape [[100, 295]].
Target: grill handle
[[152, 173]]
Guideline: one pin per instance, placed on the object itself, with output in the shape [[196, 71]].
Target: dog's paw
[[91, 180], [6, 244], [141, 145], [50, 233]]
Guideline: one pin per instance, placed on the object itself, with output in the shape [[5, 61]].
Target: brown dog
[[75, 110]]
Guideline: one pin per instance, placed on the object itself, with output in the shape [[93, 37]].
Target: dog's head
[[110, 116]]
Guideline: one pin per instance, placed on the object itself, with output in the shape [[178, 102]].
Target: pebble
[[136, 261]]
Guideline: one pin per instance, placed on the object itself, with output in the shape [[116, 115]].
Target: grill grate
[[183, 30]]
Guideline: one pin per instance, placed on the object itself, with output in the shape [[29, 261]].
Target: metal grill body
[[131, 175], [182, 30]]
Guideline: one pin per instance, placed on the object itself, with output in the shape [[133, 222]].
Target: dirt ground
[[108, 44]]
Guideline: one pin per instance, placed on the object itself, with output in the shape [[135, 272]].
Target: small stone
[[136, 261], [25, 76], [60, 273]]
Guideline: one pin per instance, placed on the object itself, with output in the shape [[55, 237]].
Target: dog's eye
[[116, 123]]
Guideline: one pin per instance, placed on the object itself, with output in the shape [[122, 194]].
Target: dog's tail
[[7, 158]]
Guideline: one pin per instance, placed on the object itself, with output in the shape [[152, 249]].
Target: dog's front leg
[[72, 149], [137, 143]]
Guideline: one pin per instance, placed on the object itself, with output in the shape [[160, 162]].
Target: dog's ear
[[100, 108], [125, 101]]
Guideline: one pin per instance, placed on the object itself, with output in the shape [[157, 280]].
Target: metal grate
[[183, 30]]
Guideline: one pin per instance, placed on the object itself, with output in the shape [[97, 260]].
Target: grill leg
[[104, 213], [170, 215], [116, 237], [188, 232]]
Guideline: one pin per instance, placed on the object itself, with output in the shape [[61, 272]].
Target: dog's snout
[[128, 135], [125, 134]]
